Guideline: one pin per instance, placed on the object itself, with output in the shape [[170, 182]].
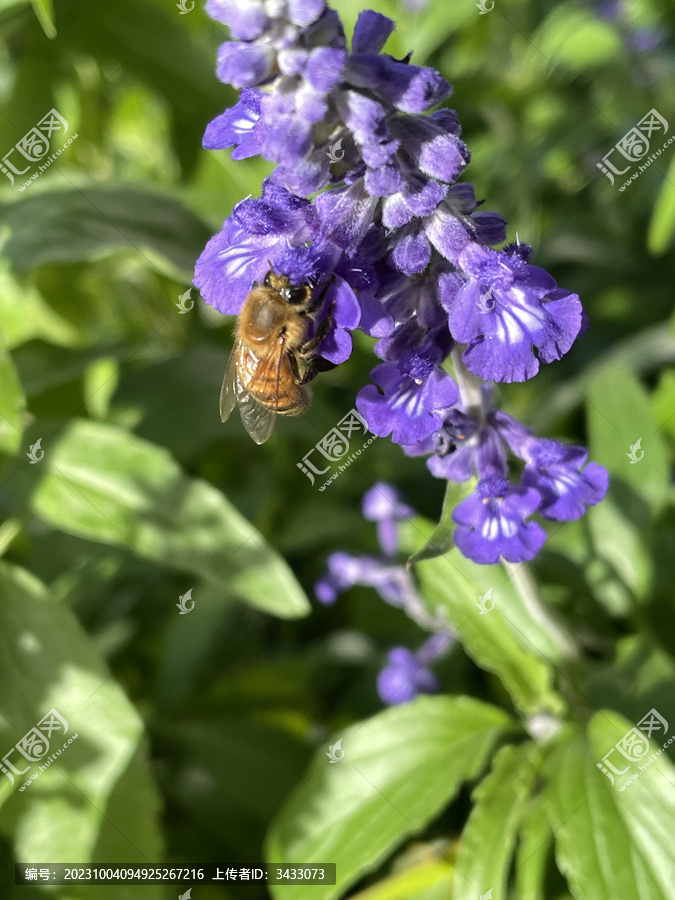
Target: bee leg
[[316, 304], [314, 366], [311, 345]]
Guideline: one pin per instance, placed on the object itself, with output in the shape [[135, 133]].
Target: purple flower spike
[[383, 504], [492, 523], [404, 678], [398, 248], [566, 488], [413, 393]]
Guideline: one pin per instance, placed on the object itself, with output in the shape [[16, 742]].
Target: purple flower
[[384, 504], [565, 487], [525, 311], [492, 523], [407, 675], [392, 582], [404, 678], [236, 127], [414, 392], [371, 32]]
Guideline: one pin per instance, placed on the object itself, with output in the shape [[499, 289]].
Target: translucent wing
[[248, 378], [259, 419], [232, 386]]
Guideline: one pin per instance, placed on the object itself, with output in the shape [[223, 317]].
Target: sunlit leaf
[[96, 800], [489, 837], [662, 226], [44, 10], [399, 769], [611, 842], [12, 405], [106, 485]]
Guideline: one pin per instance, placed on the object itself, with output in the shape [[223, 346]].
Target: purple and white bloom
[[414, 393], [492, 523], [236, 127], [566, 487], [528, 312], [384, 504]]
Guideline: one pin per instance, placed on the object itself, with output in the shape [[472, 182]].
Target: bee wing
[[259, 420], [232, 386]]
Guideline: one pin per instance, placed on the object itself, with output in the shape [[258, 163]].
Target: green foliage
[[399, 769], [102, 483], [203, 736]]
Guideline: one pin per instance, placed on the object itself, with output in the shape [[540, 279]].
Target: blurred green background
[[194, 728]]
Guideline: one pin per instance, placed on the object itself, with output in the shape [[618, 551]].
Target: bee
[[274, 357]]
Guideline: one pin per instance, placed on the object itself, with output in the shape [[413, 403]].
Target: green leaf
[[399, 770], [619, 541], [96, 801], [109, 486], [12, 405], [663, 400], [90, 223], [431, 879], [642, 353], [100, 382], [494, 626], [620, 415], [662, 226], [441, 541], [610, 842], [489, 837], [534, 847], [45, 13], [572, 38]]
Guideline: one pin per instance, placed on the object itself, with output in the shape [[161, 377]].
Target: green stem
[[526, 587], [471, 394]]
